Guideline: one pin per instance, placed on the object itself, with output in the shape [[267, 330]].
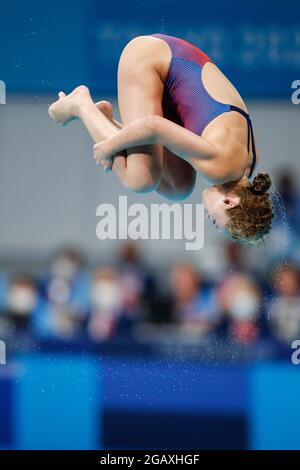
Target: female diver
[[180, 115]]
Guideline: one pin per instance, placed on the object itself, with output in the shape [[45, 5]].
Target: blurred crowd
[[127, 299]]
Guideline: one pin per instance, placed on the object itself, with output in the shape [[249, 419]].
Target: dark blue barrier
[[6, 412], [257, 45], [171, 404], [169, 385]]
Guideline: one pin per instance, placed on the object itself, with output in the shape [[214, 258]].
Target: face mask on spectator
[[106, 295], [22, 300], [59, 292], [244, 306]]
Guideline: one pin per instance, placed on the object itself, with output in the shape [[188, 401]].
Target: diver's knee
[[142, 184], [142, 187], [187, 188]]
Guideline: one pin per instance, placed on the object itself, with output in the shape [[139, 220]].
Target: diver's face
[[217, 199]]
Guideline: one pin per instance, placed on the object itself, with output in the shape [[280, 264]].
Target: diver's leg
[[178, 176], [107, 110], [79, 104], [140, 91]]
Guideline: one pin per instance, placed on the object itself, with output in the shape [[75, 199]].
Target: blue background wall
[[274, 407], [79, 41], [55, 403]]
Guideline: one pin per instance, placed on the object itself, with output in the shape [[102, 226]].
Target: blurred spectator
[[3, 289], [288, 189], [134, 278], [194, 307], [56, 318], [22, 301], [283, 240], [68, 266], [240, 298], [66, 295], [106, 304], [141, 297], [284, 309], [234, 256]]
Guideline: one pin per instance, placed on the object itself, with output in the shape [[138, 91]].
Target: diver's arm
[[156, 129]]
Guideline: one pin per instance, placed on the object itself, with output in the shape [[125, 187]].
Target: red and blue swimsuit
[[185, 99]]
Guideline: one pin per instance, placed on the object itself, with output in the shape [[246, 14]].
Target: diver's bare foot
[[67, 107], [106, 108]]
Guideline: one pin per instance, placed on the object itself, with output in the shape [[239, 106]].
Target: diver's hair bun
[[261, 183]]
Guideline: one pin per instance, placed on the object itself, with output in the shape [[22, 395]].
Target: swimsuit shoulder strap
[[250, 135]]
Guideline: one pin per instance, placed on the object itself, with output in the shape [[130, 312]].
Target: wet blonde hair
[[251, 219]]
